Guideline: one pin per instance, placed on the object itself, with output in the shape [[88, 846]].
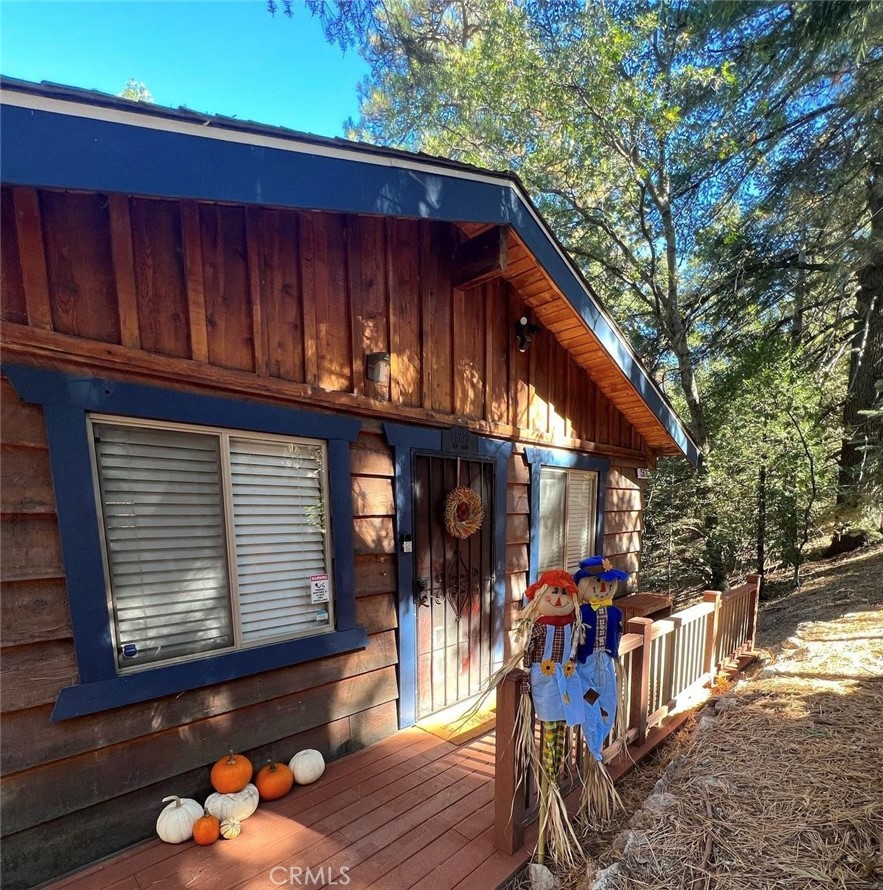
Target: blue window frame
[[537, 458], [68, 401]]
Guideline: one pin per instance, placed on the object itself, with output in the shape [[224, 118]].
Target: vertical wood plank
[[508, 802], [160, 279], [519, 371], [487, 298], [334, 361], [501, 336], [754, 599], [308, 291], [33, 258], [195, 283], [225, 282], [438, 336], [602, 418], [469, 352], [281, 303], [366, 265], [711, 632], [253, 238], [12, 290], [79, 265], [640, 691], [124, 269], [405, 315], [428, 299]]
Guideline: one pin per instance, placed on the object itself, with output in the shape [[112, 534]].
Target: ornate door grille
[[453, 585]]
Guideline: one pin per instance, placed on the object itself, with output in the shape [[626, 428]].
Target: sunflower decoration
[[464, 512], [547, 667], [568, 668]]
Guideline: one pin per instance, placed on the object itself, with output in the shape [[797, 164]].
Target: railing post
[[711, 627], [640, 691], [508, 799], [752, 610]]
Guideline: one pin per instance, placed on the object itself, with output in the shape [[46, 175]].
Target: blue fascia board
[[55, 150]]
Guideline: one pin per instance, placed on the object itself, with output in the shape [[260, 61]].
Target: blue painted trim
[[47, 149], [90, 698], [406, 440], [134, 400], [536, 459], [78, 524], [66, 400], [405, 606]]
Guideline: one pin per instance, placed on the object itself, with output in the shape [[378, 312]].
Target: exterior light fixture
[[525, 331]]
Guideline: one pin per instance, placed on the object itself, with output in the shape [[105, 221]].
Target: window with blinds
[[567, 520], [213, 540]]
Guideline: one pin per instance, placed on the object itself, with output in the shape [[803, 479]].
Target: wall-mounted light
[[377, 367], [525, 331]]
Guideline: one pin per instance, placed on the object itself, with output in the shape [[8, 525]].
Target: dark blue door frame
[[405, 441]]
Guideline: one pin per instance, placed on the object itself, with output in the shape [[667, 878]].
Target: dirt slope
[[781, 784]]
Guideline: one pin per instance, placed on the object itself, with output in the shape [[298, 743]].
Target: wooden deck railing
[[666, 663]]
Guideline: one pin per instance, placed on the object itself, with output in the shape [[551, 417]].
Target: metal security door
[[453, 584]]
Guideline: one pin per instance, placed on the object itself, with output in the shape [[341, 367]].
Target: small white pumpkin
[[230, 828], [175, 823], [307, 766], [239, 805]]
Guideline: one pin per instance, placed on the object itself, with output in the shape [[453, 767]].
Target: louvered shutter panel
[[164, 534], [279, 524], [553, 485], [581, 500]]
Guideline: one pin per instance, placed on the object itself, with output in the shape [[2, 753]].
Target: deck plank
[[395, 814]]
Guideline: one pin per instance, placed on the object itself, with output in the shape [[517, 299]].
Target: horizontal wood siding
[[623, 523], [75, 778], [517, 540]]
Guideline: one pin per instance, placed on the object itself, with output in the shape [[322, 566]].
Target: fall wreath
[[464, 512]]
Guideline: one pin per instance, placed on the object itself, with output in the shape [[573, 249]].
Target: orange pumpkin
[[274, 780], [206, 830], [231, 773]]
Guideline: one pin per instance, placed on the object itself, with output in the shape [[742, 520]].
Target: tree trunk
[[865, 368]]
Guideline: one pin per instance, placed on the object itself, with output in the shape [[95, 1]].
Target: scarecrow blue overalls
[[598, 651]]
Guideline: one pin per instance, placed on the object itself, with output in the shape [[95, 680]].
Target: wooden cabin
[[243, 368]]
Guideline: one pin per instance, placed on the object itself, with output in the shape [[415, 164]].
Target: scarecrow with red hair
[[551, 689]]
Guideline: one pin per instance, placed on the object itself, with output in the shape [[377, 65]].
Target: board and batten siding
[[264, 304]]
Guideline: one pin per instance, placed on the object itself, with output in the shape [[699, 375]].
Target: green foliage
[[705, 164], [136, 90]]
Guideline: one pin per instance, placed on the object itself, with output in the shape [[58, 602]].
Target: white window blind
[[279, 522], [582, 495], [164, 537], [567, 519], [553, 501], [211, 538]]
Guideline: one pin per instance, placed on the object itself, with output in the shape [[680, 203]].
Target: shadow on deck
[[412, 811]]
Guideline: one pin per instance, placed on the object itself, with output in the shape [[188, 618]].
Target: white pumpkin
[[230, 828], [307, 766], [239, 805], [176, 821]]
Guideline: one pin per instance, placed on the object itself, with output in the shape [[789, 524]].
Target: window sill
[[90, 698]]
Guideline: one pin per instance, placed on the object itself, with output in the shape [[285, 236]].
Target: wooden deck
[[412, 811]]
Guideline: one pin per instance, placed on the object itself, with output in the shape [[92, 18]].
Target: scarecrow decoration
[[552, 689], [597, 657]]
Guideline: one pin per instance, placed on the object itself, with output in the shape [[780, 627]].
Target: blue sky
[[222, 57]]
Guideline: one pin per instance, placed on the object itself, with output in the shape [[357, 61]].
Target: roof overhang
[[59, 137]]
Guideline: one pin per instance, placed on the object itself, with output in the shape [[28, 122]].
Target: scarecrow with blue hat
[[597, 658]]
